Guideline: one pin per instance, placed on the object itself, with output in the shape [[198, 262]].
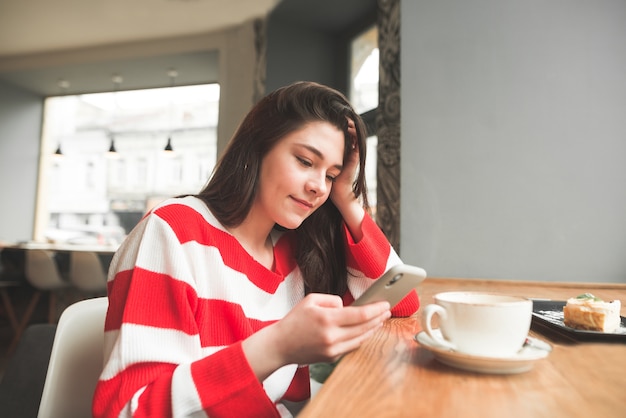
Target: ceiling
[[35, 26], [33, 31], [40, 39]]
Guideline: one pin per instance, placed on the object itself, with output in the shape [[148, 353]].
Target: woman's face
[[297, 174]]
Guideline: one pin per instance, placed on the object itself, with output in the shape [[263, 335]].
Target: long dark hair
[[232, 188]]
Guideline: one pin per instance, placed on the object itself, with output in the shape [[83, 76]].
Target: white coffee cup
[[478, 323]]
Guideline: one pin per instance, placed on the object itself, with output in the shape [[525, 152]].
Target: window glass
[[89, 195], [370, 171], [363, 95], [364, 71]]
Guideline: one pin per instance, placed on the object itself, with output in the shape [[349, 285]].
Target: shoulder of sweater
[[173, 206]]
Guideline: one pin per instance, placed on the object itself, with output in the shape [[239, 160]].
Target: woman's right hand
[[318, 329]]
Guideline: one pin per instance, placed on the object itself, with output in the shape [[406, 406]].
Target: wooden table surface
[[391, 375]]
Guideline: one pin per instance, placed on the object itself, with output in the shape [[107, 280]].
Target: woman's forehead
[[322, 136]]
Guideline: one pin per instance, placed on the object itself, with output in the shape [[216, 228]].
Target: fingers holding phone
[[321, 329]]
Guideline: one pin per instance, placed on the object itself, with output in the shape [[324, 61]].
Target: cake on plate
[[588, 312]]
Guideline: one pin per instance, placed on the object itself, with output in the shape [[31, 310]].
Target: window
[[90, 195], [363, 94], [364, 71]]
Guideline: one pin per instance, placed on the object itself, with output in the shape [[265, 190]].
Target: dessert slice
[[591, 313]]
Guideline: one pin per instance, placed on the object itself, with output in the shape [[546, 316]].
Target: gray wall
[[514, 131], [309, 40], [513, 138], [20, 122], [289, 60]]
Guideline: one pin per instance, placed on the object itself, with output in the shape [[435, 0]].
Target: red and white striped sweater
[[184, 294]]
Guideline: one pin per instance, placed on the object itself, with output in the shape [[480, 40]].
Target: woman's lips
[[303, 203]]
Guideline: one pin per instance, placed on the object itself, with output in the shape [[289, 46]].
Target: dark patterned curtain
[[388, 121]]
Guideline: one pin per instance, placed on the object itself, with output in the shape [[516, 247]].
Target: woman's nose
[[317, 184]]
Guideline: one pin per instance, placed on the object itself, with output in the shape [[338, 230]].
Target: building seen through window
[[88, 194]]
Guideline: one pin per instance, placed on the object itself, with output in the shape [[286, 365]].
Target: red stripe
[[144, 297], [408, 306], [228, 387], [189, 225], [156, 400], [223, 323], [168, 303], [112, 395], [117, 290], [283, 254], [300, 387], [372, 251]]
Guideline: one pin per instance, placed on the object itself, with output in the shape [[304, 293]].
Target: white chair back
[[86, 272], [76, 361], [41, 270]]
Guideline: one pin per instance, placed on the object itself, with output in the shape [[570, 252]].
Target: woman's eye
[[331, 178], [304, 162]]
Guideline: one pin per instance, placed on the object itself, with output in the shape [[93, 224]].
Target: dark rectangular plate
[[549, 314]]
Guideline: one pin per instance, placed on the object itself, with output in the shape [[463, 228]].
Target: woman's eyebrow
[[319, 154]]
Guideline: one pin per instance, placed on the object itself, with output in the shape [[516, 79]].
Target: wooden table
[[391, 375]]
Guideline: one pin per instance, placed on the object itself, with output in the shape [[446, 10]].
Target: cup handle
[[427, 317]]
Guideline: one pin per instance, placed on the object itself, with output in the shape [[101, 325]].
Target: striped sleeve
[[368, 259]]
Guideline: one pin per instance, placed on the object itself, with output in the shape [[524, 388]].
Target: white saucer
[[519, 363]]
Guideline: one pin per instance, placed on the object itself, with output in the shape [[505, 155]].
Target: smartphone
[[393, 286]]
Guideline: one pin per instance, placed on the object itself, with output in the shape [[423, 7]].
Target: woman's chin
[[290, 224]]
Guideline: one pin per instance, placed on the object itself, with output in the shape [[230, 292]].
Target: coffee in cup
[[478, 323]]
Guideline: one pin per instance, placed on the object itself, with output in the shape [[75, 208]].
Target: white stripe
[[125, 256], [214, 280], [358, 283], [133, 404], [148, 344], [275, 385], [198, 206], [185, 398]]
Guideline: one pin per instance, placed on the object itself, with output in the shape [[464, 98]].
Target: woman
[[217, 302]]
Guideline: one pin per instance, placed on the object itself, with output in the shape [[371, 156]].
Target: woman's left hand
[[342, 192]]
